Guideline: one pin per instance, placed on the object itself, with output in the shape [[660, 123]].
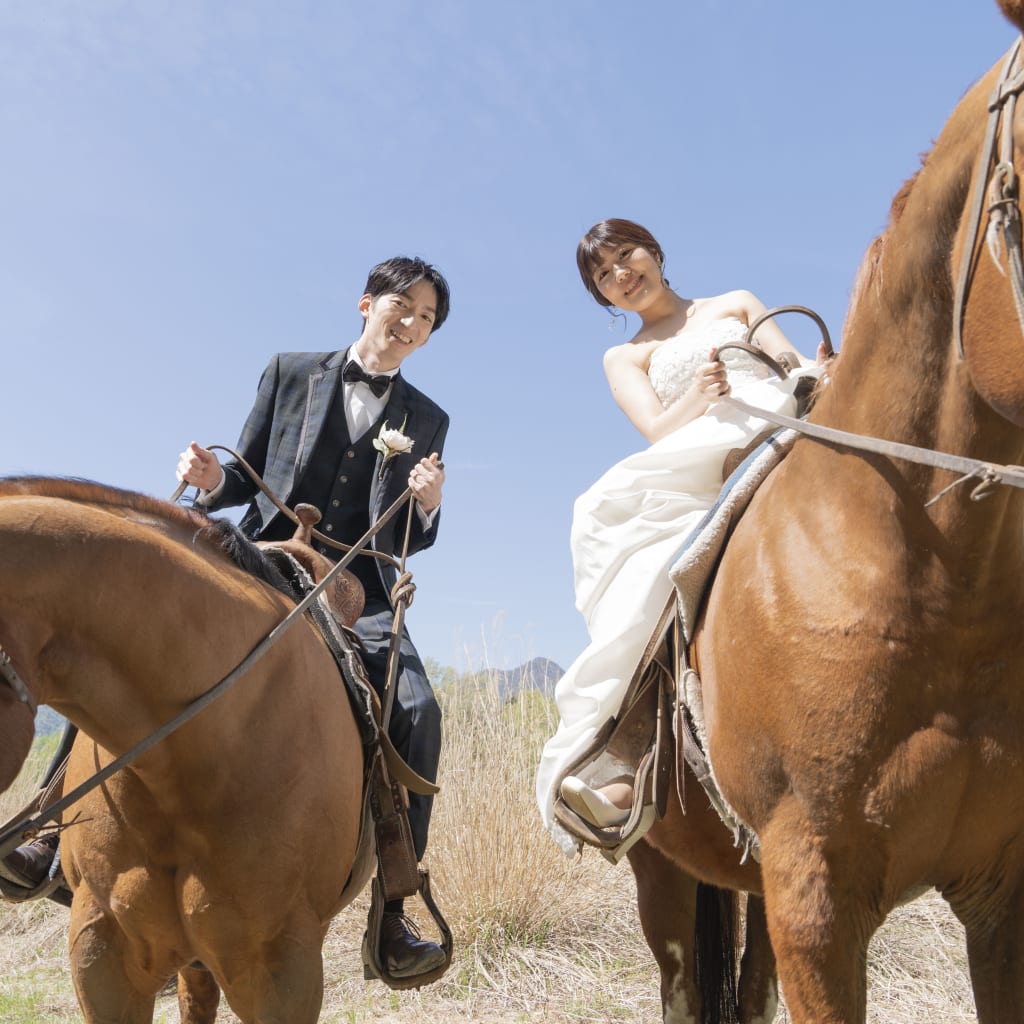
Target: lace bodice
[[675, 362]]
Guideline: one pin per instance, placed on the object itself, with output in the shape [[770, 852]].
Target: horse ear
[[1014, 11]]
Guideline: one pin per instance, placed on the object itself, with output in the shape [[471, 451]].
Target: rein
[[13, 837], [989, 474], [1002, 209], [289, 514]]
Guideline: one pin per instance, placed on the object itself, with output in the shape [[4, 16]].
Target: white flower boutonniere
[[391, 443]]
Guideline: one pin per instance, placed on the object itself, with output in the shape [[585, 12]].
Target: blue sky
[[189, 187]]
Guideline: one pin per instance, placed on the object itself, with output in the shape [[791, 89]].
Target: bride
[[628, 527]]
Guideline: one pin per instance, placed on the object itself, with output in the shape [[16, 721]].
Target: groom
[[311, 435]]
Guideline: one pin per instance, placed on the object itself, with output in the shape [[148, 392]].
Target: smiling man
[[311, 435]]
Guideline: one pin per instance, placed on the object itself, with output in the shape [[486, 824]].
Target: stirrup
[[372, 966], [641, 736], [14, 888]]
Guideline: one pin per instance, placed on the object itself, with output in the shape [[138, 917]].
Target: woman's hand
[[713, 379]]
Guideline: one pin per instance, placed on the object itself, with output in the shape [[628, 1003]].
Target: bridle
[[1003, 212], [15, 683]]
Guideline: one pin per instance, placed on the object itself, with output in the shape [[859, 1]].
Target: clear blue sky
[[189, 187]]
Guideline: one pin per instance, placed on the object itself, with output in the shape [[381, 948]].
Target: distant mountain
[[538, 674]]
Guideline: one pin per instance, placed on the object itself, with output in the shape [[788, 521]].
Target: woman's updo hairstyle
[[611, 234]]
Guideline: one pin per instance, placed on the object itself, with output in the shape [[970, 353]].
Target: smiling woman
[[627, 527]]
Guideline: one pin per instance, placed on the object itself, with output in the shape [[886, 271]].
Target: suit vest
[[338, 481]]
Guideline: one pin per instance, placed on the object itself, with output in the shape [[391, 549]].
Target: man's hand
[[199, 467], [426, 481]]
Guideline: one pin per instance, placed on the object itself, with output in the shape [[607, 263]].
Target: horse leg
[[758, 985], [667, 902], [995, 953], [688, 927], [109, 990], [198, 996], [821, 914], [281, 982]]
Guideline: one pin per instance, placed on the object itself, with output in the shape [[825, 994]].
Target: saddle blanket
[[696, 560]]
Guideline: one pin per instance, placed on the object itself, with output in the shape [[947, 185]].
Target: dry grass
[[538, 938]]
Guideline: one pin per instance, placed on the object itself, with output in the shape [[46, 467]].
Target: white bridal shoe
[[592, 804]]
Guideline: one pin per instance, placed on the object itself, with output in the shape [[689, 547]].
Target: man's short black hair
[[400, 273]]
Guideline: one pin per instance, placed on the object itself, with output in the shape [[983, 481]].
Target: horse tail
[[715, 954]]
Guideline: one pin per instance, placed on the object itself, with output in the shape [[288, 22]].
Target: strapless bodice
[[675, 362]]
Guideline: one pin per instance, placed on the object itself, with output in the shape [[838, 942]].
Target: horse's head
[[17, 716], [16, 732]]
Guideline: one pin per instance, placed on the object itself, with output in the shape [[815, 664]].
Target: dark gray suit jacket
[[282, 435]]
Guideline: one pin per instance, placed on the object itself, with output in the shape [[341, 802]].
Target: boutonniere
[[391, 443]]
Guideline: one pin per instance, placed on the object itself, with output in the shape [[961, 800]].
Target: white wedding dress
[[629, 526]]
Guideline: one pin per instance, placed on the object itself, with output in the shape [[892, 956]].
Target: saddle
[[660, 725]]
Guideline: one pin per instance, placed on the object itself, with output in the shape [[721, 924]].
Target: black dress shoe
[[32, 861], [403, 954]]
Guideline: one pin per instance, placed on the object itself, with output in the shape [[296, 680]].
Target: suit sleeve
[[253, 443], [418, 537]]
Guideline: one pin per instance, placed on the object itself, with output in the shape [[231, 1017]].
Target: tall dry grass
[[539, 937]]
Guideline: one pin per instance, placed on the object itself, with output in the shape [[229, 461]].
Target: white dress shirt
[[362, 406]]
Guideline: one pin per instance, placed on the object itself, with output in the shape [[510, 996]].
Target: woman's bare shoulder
[[635, 352]]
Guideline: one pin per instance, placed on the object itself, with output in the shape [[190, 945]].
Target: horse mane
[[228, 538], [1014, 11], [221, 534], [868, 279]]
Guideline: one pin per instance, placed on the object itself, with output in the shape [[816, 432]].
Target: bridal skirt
[[626, 531]]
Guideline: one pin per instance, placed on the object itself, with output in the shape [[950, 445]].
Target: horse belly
[[906, 733]]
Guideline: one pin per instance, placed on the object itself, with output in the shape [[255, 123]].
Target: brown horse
[[862, 658], [224, 851]]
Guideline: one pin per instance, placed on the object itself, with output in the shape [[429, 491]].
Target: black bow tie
[[378, 382]]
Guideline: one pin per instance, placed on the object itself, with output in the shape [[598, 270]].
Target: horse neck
[[113, 622], [900, 376]]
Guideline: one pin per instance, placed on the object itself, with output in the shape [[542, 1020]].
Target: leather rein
[[988, 474], [401, 595]]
